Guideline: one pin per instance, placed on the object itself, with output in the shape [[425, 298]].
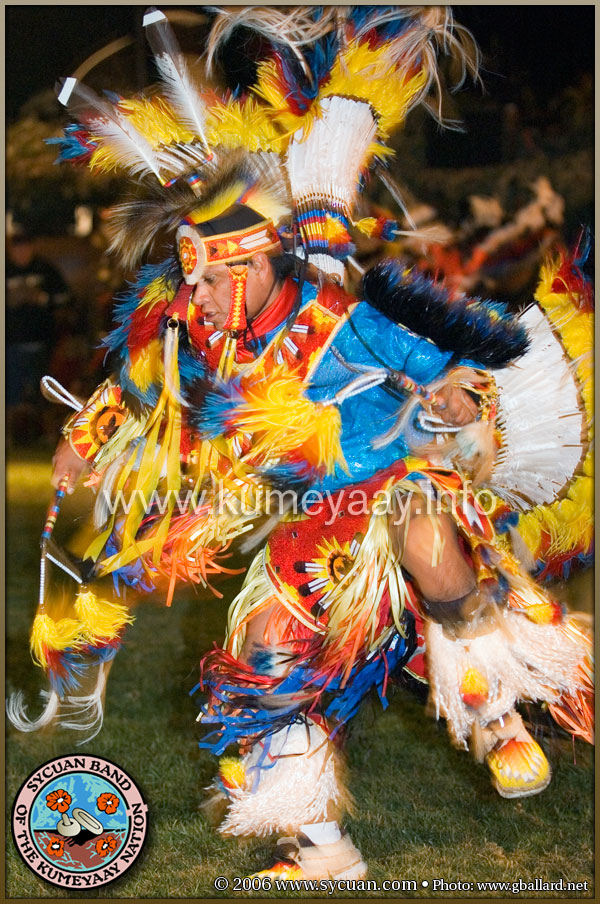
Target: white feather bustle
[[325, 162], [541, 419], [296, 784], [519, 659]]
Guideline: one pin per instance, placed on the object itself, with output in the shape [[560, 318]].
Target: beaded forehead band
[[196, 251]]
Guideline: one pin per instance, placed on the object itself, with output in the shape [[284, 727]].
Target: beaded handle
[[54, 509]]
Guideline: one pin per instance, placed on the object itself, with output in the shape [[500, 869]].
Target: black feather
[[472, 328], [138, 221]]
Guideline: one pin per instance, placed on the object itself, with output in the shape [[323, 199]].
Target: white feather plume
[[541, 420], [327, 160], [324, 163], [79, 713], [112, 127], [180, 86], [17, 711]]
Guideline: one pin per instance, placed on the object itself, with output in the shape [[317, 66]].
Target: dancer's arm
[[66, 461]]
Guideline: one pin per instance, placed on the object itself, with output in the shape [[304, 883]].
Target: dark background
[[546, 47]]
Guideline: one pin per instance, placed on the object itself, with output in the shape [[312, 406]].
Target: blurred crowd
[[59, 297]]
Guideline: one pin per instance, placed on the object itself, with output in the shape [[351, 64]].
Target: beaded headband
[[196, 251]]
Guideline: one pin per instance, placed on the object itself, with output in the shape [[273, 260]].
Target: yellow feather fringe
[[142, 480], [101, 620], [353, 613], [283, 420], [257, 594], [367, 73], [48, 634]]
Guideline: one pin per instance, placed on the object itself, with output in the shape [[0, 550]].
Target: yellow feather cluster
[[242, 123], [103, 159], [100, 619], [367, 73], [48, 634], [283, 420], [155, 119], [334, 230], [474, 688], [366, 225], [232, 772], [96, 621], [569, 521], [576, 329], [147, 365], [542, 613], [268, 87]]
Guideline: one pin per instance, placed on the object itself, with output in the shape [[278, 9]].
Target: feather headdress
[[256, 180], [111, 129], [180, 86], [331, 87]]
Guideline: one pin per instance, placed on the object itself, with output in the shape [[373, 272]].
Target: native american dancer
[[243, 372]]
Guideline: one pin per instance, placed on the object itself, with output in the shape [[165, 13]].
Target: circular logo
[[79, 821]]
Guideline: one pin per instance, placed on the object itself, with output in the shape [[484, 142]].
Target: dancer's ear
[[261, 266]]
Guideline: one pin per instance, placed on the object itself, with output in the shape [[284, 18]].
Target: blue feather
[[73, 145], [213, 418]]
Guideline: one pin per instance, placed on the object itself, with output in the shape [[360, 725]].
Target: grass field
[[424, 811]]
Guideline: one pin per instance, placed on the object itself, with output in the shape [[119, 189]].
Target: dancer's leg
[[288, 781], [463, 628]]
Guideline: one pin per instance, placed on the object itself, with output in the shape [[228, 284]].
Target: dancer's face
[[212, 292]]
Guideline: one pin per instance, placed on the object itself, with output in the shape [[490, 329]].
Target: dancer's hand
[[66, 461], [454, 405]]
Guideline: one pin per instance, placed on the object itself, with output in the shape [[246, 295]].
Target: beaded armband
[[89, 429]]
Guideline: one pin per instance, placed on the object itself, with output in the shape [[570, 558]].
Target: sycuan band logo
[[79, 821]]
